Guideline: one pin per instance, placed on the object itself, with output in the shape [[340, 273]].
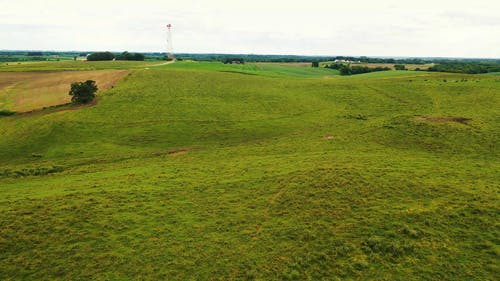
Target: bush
[[315, 64], [83, 92], [399, 67], [348, 70], [101, 56], [5, 112], [337, 66]]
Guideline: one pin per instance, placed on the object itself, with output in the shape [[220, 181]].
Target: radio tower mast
[[170, 47]]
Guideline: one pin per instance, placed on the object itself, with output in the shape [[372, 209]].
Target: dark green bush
[[5, 112], [399, 67]]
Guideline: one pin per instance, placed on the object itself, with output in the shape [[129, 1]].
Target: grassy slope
[[261, 193], [269, 70]]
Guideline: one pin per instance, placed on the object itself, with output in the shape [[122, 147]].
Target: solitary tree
[[315, 64], [83, 92]]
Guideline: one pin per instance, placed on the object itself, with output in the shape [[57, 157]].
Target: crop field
[[26, 91], [205, 171]]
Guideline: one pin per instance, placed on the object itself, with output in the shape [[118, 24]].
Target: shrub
[[399, 67], [348, 70], [5, 112], [83, 92]]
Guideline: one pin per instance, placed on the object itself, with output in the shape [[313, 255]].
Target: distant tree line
[[101, 56], [107, 56], [233, 60], [34, 54], [268, 58], [19, 59], [472, 66], [347, 69], [466, 67], [130, 56]]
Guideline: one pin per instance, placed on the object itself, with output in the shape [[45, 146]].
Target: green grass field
[[199, 171], [268, 70]]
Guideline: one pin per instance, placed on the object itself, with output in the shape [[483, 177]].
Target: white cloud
[[313, 27]]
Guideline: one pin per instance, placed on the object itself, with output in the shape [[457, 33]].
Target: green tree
[[345, 69], [315, 64], [83, 92], [100, 56], [130, 56]]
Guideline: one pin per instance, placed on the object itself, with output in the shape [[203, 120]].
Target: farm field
[[207, 171], [26, 91]]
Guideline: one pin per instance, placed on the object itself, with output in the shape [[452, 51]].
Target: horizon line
[[254, 54]]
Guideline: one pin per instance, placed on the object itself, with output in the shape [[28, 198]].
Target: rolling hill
[[202, 171]]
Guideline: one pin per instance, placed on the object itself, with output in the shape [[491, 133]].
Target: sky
[[415, 28]]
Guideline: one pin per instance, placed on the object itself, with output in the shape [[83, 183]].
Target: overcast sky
[[437, 28]]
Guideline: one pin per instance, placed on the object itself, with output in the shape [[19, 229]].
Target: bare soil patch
[[329, 137]]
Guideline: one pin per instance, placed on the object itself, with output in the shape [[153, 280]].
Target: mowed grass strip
[[26, 91]]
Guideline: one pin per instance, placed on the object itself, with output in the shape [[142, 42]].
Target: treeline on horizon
[[457, 65], [466, 67], [104, 56], [347, 69]]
